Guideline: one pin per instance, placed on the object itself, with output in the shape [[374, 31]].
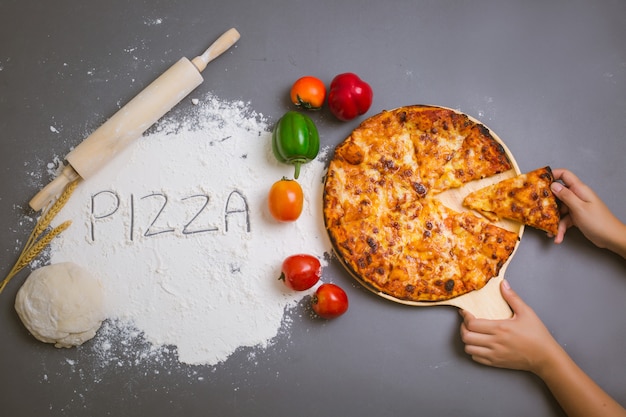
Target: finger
[[564, 224], [560, 235], [480, 355], [480, 326], [573, 186], [473, 324], [566, 176], [566, 195], [469, 320], [515, 301], [476, 339], [466, 315], [558, 174], [482, 360], [478, 351]]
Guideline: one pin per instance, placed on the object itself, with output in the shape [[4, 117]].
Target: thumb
[[566, 195], [515, 301]]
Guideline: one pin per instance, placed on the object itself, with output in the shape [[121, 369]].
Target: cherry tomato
[[301, 272], [285, 200], [308, 92], [330, 301]]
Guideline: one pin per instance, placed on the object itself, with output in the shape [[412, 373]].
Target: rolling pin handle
[[217, 48], [54, 188]]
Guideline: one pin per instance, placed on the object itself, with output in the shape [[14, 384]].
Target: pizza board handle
[[486, 303]]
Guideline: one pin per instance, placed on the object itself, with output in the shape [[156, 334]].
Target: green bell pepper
[[295, 140]]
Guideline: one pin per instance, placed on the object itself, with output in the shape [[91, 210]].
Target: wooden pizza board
[[486, 302]]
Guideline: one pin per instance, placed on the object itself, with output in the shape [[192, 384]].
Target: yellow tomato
[[308, 92], [285, 200]]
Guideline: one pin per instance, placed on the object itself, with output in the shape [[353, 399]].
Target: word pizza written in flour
[[157, 214]]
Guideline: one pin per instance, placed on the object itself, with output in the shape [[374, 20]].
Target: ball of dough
[[61, 304]]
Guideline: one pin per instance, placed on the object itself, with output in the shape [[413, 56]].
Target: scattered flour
[[177, 229], [153, 22]]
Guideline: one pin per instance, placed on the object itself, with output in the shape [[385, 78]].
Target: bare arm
[[524, 343], [584, 209]]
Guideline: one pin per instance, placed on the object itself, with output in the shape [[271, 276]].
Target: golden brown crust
[[526, 198], [382, 215]]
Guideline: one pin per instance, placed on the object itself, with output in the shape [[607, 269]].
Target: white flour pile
[[177, 229]]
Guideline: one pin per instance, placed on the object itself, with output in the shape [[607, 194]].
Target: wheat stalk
[[38, 239], [50, 213], [36, 249]]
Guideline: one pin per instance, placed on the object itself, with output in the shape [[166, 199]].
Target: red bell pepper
[[349, 96]]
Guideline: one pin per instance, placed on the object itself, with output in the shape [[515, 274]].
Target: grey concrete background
[[548, 77]]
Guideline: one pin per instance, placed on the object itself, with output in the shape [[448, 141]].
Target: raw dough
[[61, 304]]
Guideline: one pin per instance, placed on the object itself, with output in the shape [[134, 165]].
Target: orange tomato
[[308, 92], [285, 200]]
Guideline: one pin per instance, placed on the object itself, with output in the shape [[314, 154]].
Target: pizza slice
[[479, 156], [526, 198]]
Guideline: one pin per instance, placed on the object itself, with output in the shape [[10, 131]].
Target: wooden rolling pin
[[132, 120]]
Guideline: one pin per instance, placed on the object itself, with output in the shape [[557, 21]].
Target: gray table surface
[[548, 76]]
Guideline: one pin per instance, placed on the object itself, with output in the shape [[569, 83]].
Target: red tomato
[[349, 96], [308, 92], [285, 200], [330, 301], [301, 272]]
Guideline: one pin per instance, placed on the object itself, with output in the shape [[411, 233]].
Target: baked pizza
[[526, 198], [383, 211]]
